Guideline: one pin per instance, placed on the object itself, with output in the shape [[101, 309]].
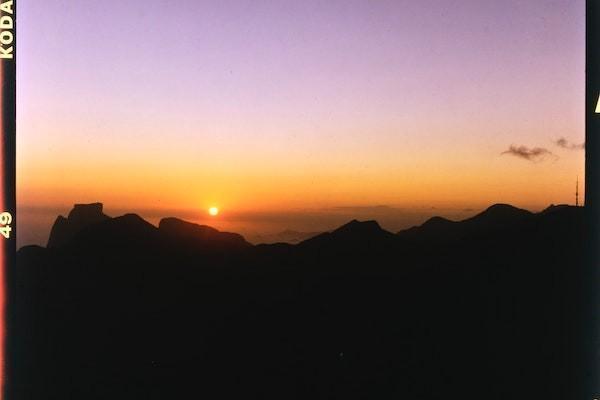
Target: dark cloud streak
[[534, 154], [565, 144]]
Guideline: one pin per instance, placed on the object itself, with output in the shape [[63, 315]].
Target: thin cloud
[[565, 144], [534, 154]]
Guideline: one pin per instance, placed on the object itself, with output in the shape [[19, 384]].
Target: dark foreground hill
[[487, 308]]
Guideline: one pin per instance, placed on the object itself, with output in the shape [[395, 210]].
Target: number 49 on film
[[5, 221]]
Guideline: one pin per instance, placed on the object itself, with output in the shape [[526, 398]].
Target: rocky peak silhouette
[[80, 217]]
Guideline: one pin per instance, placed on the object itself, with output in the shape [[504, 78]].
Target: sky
[[272, 109]]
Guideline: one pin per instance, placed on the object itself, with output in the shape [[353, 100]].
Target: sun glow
[[213, 211]]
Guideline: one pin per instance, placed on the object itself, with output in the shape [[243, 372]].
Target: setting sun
[[213, 211]]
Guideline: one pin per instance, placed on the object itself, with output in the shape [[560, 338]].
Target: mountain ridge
[[84, 219]]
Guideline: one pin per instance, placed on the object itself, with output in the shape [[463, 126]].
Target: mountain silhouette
[[496, 217], [201, 236], [81, 216], [488, 307], [88, 227], [354, 233], [128, 229]]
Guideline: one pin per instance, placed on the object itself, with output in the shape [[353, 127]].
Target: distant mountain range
[[84, 216], [489, 307]]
